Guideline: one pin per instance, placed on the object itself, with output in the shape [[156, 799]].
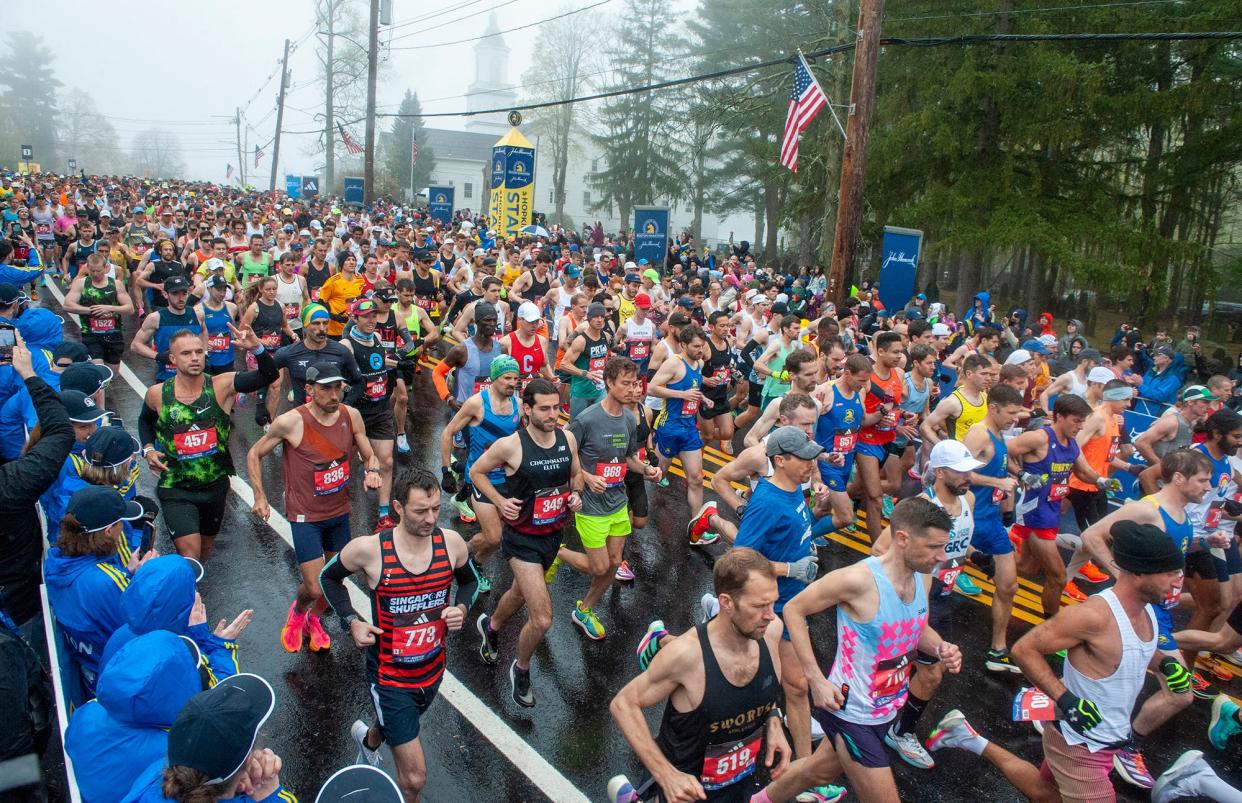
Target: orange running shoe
[[318, 638], [1072, 591], [295, 626], [1091, 574]]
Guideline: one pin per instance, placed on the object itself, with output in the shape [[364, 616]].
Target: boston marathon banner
[[440, 204], [512, 183], [651, 234], [900, 265]]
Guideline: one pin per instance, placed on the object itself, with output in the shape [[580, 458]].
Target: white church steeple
[[491, 88]]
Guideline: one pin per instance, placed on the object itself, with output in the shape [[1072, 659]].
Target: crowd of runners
[[575, 381]]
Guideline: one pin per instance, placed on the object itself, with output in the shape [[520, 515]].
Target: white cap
[[315, 224], [480, 252], [940, 330], [1101, 375], [954, 455], [529, 311], [1049, 341], [750, 294], [630, 266], [781, 298], [215, 264], [466, 224], [1018, 356]]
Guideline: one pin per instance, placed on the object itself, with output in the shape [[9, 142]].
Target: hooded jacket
[[69, 482], [43, 331], [973, 316], [125, 728], [160, 597], [1163, 386], [149, 789], [85, 594]]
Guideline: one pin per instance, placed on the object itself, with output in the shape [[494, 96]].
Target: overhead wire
[[569, 13]]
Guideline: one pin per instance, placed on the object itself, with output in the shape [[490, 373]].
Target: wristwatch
[[346, 620]]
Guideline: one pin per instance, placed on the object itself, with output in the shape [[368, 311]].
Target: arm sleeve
[[438, 378], [332, 581], [261, 377], [22, 481], [467, 585], [147, 420]]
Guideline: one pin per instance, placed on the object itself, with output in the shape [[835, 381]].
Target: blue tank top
[[914, 400], [679, 412], [219, 339], [170, 324], [475, 374], [837, 427], [488, 431], [1181, 533], [987, 498], [1041, 508]]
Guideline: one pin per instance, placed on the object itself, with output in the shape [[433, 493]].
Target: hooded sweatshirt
[[975, 316], [85, 594], [69, 482], [161, 597], [43, 331], [125, 728]]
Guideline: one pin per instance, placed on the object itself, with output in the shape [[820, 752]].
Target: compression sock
[[762, 797], [910, 713]]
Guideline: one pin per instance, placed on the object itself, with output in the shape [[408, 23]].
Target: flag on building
[[804, 103], [228, 171], [258, 154], [351, 145], [413, 151]]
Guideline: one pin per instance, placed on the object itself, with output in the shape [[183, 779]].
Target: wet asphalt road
[[319, 695]]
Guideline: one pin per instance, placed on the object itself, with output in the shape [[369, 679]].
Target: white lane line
[[517, 750]]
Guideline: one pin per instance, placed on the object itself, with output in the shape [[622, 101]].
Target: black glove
[[1233, 507], [448, 483], [984, 561], [1081, 715], [1176, 675], [1008, 518]]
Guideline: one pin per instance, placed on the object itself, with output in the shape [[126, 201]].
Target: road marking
[[513, 747]]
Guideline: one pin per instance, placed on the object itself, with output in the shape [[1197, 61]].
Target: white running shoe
[[908, 747], [952, 731], [709, 606], [359, 731], [403, 444], [1181, 778]]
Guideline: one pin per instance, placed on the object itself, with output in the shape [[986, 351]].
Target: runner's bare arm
[[1055, 387], [141, 344], [1163, 429], [740, 469], [363, 445], [935, 427], [761, 364], [767, 420], [469, 414], [1097, 537], [286, 427], [832, 589], [73, 297], [503, 453], [1071, 626], [658, 386]]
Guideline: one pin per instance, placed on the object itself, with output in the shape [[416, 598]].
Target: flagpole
[[809, 72]]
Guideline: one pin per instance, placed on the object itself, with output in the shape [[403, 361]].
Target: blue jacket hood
[[149, 680], [40, 328], [985, 297], [160, 596], [60, 572]]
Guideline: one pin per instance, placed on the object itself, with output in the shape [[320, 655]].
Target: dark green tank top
[[194, 439], [92, 295]]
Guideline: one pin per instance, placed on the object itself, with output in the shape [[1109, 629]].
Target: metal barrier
[[62, 672]]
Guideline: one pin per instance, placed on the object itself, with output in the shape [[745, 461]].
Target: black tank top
[[386, 331], [427, 294], [721, 741], [542, 483], [538, 289], [718, 364], [641, 436], [376, 377], [315, 278], [269, 323]]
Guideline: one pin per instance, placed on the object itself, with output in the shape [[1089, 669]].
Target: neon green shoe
[[587, 622]]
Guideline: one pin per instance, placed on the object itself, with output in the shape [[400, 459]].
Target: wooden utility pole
[[241, 156], [329, 135], [280, 113], [368, 155], [854, 157]]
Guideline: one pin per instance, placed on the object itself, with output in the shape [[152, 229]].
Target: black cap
[[110, 446], [216, 730], [71, 350], [417, 254], [1166, 351], [81, 407], [9, 294], [324, 373], [1145, 549], [217, 281], [360, 783], [175, 284], [99, 506], [87, 377]]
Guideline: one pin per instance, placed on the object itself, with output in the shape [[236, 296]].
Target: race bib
[[482, 384], [550, 507], [193, 442], [377, 389], [424, 303], [727, 763], [640, 349], [998, 495], [331, 477], [219, 342], [314, 294], [690, 407], [1213, 516], [1173, 597], [596, 363], [1114, 446], [612, 473], [292, 311], [270, 340], [417, 637], [102, 326], [43, 230], [892, 676], [947, 576], [1058, 491], [843, 441], [722, 373], [1032, 705]]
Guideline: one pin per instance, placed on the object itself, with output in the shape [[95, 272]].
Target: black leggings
[[1089, 507]]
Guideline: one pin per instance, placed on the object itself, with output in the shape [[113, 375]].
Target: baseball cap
[[630, 266], [85, 377], [139, 210], [642, 301], [940, 330], [792, 441], [110, 446], [177, 284], [99, 506], [1197, 393], [217, 281], [296, 247], [1034, 346], [596, 310], [362, 306], [1101, 375], [215, 264], [1018, 356], [9, 294], [921, 296], [529, 312], [80, 407], [750, 294], [1090, 354], [217, 728], [652, 274], [324, 373], [952, 455], [573, 271], [632, 277], [479, 252], [360, 783], [1167, 351], [71, 350]]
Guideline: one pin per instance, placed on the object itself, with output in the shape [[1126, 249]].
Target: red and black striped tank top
[[407, 607]]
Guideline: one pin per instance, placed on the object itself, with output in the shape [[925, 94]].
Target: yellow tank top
[[971, 414]]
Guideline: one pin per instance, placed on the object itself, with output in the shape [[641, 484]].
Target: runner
[[154, 337], [428, 293], [584, 359], [184, 428], [423, 335], [318, 440], [341, 289], [541, 467], [606, 435], [464, 322], [867, 685], [718, 685], [314, 347], [409, 570], [803, 368], [1174, 429], [317, 268], [100, 302], [266, 317], [636, 335], [964, 407], [254, 263], [836, 430], [771, 363], [879, 429], [471, 360], [371, 397], [525, 345], [216, 317]]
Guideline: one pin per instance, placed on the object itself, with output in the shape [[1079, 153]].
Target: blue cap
[[138, 209], [921, 296], [573, 271], [632, 277], [573, 247], [99, 506], [643, 262], [1034, 346]]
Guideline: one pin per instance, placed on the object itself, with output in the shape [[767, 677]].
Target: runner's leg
[[872, 492], [528, 579], [483, 545], [692, 464], [1047, 557], [411, 769], [1006, 581]]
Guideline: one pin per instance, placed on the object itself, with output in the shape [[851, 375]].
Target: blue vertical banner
[[440, 204], [353, 190], [900, 266], [293, 186], [651, 235]]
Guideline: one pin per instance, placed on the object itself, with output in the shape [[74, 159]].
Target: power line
[[422, 31], [433, 14], [1087, 6], [509, 30]]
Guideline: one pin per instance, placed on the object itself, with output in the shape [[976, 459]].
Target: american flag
[[413, 151], [228, 171], [804, 103], [258, 154], [351, 145]]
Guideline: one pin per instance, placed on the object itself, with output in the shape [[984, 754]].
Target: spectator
[[25, 696], [1073, 329], [1162, 380]]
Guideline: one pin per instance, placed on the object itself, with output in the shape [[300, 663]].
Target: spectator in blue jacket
[[109, 457], [86, 578], [1162, 380], [162, 597], [124, 729]]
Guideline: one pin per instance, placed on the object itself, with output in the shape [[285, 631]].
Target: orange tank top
[[1099, 452]]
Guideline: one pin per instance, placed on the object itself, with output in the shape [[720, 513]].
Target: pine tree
[[395, 147], [28, 100]]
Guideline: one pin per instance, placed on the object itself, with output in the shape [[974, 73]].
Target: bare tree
[[87, 136], [157, 154], [565, 48], [343, 68]]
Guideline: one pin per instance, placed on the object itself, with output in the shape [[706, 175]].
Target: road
[[480, 745]]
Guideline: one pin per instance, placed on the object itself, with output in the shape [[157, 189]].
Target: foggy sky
[[195, 62]]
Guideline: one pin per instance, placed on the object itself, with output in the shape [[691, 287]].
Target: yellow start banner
[[511, 206]]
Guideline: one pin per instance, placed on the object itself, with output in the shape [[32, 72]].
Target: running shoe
[[952, 731], [1181, 778], [319, 639], [620, 790], [908, 747], [1091, 574], [459, 440], [650, 644], [520, 682], [484, 585], [1132, 767], [701, 522], [1201, 689], [295, 626], [464, 511], [385, 522], [1224, 722], [624, 573], [403, 444], [663, 483], [827, 793], [1216, 666], [707, 539], [1000, 661], [489, 650], [1072, 591], [819, 542], [886, 508], [709, 606], [549, 574], [587, 622], [359, 731], [967, 586]]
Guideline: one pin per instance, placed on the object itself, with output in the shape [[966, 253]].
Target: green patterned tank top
[[194, 438]]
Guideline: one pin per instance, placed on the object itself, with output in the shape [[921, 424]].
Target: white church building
[[463, 157]]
